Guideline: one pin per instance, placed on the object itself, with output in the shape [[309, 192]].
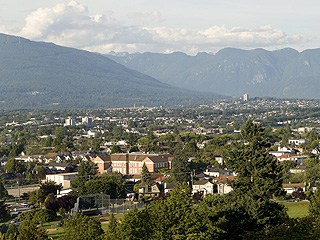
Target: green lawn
[[297, 209]]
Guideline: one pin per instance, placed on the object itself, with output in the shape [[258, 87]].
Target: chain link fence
[[93, 204]]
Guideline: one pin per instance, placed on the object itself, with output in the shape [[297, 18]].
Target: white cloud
[[145, 18], [72, 25]]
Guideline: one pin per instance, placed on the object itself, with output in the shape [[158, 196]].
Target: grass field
[[297, 209]]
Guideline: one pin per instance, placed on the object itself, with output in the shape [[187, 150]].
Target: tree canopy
[[82, 227]]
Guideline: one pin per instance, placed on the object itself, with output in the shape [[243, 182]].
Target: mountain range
[[39, 75], [284, 73]]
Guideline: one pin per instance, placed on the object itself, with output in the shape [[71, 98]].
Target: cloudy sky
[[165, 26]]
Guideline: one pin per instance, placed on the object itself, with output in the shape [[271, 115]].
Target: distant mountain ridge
[[284, 73], [44, 75]]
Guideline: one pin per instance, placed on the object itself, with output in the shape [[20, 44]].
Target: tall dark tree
[[4, 211], [258, 173], [3, 190], [180, 171], [50, 187], [145, 175], [259, 176], [87, 170]]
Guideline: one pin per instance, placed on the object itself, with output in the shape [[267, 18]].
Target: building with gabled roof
[[203, 186], [131, 164]]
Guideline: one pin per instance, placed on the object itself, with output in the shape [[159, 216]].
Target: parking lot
[[17, 208]]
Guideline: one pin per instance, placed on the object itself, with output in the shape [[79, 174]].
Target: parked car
[[24, 204]]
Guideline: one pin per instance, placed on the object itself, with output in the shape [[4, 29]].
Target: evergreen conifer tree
[[259, 176], [145, 175]]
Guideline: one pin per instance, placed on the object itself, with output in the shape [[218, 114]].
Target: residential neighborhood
[[140, 156]]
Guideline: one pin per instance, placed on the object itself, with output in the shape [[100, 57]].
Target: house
[[35, 158], [217, 172], [49, 157], [60, 166], [283, 150], [291, 187], [152, 190], [298, 159], [204, 187], [223, 186], [299, 169], [63, 179], [297, 141], [169, 187]]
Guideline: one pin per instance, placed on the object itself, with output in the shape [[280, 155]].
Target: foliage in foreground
[[37, 216], [81, 227]]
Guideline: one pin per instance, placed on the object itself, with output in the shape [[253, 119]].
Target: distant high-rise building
[[245, 97], [70, 122], [87, 121]]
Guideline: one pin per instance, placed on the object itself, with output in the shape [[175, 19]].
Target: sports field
[[297, 209]]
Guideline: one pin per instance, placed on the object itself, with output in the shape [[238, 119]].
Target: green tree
[[37, 216], [87, 170], [111, 232], [258, 177], [14, 166], [32, 232], [171, 218], [180, 171], [110, 184], [145, 175], [12, 232], [115, 149], [4, 211], [258, 173], [50, 187], [96, 147], [310, 162], [314, 207], [3, 190], [81, 227]]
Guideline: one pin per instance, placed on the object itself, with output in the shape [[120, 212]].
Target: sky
[[165, 26]]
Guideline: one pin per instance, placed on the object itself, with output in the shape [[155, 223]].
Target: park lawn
[[297, 209], [50, 226], [56, 234]]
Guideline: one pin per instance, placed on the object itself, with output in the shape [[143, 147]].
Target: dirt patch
[[51, 230], [303, 205]]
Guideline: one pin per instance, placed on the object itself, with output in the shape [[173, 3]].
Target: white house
[[217, 172], [291, 187], [203, 186], [298, 141], [63, 179]]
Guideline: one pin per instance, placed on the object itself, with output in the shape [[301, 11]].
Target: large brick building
[[126, 163]]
